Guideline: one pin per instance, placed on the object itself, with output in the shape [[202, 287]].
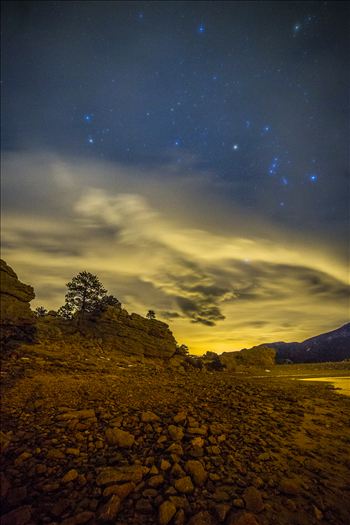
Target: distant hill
[[331, 346]]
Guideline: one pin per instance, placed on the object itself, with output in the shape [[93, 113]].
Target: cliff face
[[16, 318]]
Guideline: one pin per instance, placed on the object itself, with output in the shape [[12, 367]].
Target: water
[[343, 383]]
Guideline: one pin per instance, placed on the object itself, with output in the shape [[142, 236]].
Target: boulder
[[16, 318]]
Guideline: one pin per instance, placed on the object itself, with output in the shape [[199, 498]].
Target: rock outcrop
[[16, 318], [113, 330]]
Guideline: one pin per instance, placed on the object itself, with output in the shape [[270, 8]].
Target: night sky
[[194, 155]]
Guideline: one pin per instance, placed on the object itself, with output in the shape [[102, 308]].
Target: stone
[[201, 431], [122, 491], [175, 448], [165, 465], [184, 485], [291, 487], [20, 516], [202, 518], [55, 453], [71, 475], [4, 486], [121, 438], [73, 451], [149, 417], [179, 517], [109, 510], [253, 500], [156, 481], [83, 517], [77, 414], [239, 503], [109, 475], [144, 506], [176, 433], [180, 417], [221, 510], [166, 512], [245, 518], [197, 471]]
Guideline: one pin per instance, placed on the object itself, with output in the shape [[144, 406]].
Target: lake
[[343, 383]]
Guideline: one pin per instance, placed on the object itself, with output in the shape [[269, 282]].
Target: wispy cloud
[[221, 289]]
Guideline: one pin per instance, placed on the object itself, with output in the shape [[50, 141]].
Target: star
[[284, 181], [91, 140], [88, 117], [177, 142], [313, 178], [296, 28], [201, 28], [273, 166], [235, 147], [266, 129]]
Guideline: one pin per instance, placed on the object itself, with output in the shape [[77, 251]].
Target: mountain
[[331, 346]]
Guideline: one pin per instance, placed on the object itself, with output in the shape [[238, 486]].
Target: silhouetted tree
[[40, 311], [182, 350], [85, 294], [110, 300], [65, 311], [151, 314]]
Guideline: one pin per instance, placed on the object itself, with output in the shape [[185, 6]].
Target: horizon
[[192, 156]]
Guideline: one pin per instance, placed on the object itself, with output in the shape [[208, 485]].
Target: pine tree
[[85, 294], [151, 314]]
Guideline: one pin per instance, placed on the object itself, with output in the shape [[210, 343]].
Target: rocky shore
[[139, 443]]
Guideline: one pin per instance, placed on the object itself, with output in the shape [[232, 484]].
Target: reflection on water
[[338, 382]]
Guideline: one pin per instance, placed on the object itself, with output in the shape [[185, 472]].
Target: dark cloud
[[199, 311], [170, 315]]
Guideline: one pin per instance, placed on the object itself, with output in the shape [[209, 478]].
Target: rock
[[4, 485], [291, 487], [77, 414], [20, 516], [253, 500], [55, 453], [122, 491], [149, 417], [144, 506], [166, 511], [176, 433], [156, 481], [201, 431], [83, 517], [245, 518], [179, 517], [197, 471], [5, 440], [16, 318], [184, 485], [180, 417], [165, 465], [221, 510], [109, 475], [116, 436], [70, 476], [110, 509], [175, 448], [239, 503], [202, 518]]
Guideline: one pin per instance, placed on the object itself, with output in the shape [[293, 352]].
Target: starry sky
[[194, 155]]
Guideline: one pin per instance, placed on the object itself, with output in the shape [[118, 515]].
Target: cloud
[[154, 244]]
